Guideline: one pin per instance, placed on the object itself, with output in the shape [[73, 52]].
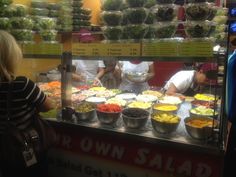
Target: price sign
[[42, 49], [92, 49], [159, 49], [196, 49]]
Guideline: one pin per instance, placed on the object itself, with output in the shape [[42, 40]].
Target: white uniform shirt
[[127, 85], [88, 68], [182, 81]]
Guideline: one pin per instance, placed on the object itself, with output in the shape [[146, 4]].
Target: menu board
[[98, 49], [155, 49], [42, 49]]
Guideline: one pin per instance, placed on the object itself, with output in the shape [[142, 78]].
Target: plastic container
[[136, 3], [197, 12], [165, 12], [112, 18], [22, 23], [20, 10], [5, 23], [39, 12], [112, 33], [136, 15], [48, 35], [199, 29], [108, 5], [136, 32], [23, 35], [165, 30]]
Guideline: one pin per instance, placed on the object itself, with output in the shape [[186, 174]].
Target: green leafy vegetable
[[112, 5], [136, 15], [136, 3], [112, 18]]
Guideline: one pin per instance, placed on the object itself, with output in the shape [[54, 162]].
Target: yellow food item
[[197, 123], [204, 97], [165, 107], [152, 92], [139, 104], [166, 118], [98, 88]]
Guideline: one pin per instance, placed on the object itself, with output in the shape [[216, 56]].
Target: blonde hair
[[10, 54]]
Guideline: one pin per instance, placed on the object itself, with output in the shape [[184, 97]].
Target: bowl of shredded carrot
[[108, 113], [200, 128]]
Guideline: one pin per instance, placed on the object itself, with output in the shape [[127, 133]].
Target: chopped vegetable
[[112, 4], [112, 33], [136, 31], [165, 13], [113, 18], [136, 3], [166, 30], [136, 15], [198, 11], [109, 107]]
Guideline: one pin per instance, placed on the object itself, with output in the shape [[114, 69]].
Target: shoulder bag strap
[[9, 96]]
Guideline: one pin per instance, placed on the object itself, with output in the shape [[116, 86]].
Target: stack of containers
[[5, 13], [136, 15], [44, 25], [111, 17], [81, 16], [166, 13], [150, 20], [65, 16], [220, 18], [21, 24], [199, 15]]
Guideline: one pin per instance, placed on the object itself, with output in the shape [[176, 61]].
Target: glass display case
[[105, 131]]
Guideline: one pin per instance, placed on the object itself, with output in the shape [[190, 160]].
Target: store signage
[[152, 159], [113, 49], [195, 49], [42, 49], [161, 49]]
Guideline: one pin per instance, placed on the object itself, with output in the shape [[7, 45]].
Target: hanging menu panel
[[108, 50]]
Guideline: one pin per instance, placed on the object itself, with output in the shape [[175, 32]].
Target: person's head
[[10, 54], [206, 73]]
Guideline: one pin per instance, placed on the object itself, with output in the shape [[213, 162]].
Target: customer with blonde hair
[[26, 100]]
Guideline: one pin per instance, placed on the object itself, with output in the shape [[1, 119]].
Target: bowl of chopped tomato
[[108, 113]]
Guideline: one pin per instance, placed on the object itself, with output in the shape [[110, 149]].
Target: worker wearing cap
[[189, 82]]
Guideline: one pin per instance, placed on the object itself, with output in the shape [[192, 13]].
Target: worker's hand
[[79, 77], [96, 82]]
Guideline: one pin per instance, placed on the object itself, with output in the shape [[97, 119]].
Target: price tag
[[42, 49], [159, 49], [92, 49], [196, 49]]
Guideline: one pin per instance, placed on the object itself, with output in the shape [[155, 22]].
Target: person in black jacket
[[26, 100]]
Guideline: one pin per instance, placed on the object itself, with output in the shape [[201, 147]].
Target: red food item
[[109, 107], [83, 87]]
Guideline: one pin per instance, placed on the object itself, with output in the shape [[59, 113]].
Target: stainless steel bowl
[[158, 108], [108, 117], [137, 76], [164, 127], [200, 133], [135, 117], [86, 116]]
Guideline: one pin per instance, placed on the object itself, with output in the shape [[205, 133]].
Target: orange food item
[[197, 123]]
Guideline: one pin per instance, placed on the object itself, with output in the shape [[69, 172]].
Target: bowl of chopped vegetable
[[164, 123], [135, 118], [108, 113], [85, 111], [196, 29], [165, 30], [200, 128]]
